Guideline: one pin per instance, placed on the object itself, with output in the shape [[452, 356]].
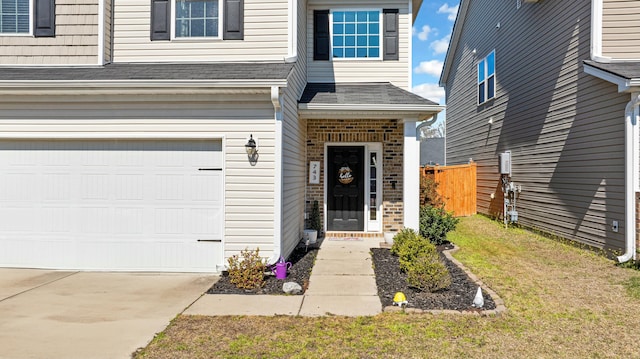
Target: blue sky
[[431, 34]]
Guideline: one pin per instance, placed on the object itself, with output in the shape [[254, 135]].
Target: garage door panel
[[114, 205]]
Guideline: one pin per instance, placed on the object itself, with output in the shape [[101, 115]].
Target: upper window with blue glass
[[14, 17], [487, 78], [356, 34], [197, 18]]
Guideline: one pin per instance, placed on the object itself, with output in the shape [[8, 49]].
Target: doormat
[[345, 239]]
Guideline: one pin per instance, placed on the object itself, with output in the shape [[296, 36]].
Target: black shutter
[[390, 34], [45, 18], [233, 20], [321, 35], [160, 20]]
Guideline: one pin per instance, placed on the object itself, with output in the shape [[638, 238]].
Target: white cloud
[[440, 46], [431, 67], [423, 35], [451, 12], [432, 92]]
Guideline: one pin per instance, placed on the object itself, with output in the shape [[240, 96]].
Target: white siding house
[[123, 143]]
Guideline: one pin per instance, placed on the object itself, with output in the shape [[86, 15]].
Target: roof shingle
[[150, 71], [360, 94]]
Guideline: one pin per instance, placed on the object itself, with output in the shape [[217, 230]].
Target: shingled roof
[[370, 100], [360, 94], [627, 70], [150, 71], [624, 74]]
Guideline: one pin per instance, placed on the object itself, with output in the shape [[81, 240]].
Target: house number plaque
[[314, 172]]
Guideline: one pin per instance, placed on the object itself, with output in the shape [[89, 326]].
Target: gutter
[[630, 176]]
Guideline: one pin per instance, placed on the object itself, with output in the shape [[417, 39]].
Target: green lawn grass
[[562, 302]]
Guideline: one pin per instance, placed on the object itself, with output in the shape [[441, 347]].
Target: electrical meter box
[[505, 163]]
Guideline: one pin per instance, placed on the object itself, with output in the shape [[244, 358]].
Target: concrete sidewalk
[[342, 282]]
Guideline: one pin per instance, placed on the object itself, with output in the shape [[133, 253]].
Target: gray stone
[[291, 288]]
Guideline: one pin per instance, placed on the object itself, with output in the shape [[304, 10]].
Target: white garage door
[[111, 204]]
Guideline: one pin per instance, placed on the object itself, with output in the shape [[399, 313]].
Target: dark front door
[[345, 188]]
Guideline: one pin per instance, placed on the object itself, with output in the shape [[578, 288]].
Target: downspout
[[277, 213], [425, 123], [630, 176], [101, 29], [596, 32], [293, 32]]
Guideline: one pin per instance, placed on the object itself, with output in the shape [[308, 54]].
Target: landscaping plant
[[429, 195], [246, 270], [419, 258], [427, 272], [315, 222], [435, 223]]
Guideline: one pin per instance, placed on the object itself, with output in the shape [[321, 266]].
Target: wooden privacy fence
[[456, 185]]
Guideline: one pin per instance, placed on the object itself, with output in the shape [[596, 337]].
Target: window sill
[[340, 59], [196, 39], [5, 34]]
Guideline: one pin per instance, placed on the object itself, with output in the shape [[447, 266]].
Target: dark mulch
[[301, 264], [390, 280]]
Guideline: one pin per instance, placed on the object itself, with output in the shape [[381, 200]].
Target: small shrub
[[429, 195], [427, 272], [406, 234], [409, 245], [246, 270], [315, 222], [435, 223]]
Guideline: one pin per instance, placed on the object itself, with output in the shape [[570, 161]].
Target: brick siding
[[387, 132]]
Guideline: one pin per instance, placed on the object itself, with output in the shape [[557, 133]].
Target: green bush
[[435, 223], [428, 272], [420, 259], [246, 270], [409, 245], [429, 195], [315, 222], [400, 238]]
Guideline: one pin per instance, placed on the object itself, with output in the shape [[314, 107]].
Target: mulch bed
[[301, 264], [390, 280]]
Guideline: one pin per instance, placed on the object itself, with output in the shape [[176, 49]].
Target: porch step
[[337, 234]]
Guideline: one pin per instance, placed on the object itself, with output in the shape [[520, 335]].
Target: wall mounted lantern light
[[251, 147]]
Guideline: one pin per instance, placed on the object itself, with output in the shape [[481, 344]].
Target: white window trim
[[23, 34], [380, 35], [478, 82], [196, 38], [373, 225]]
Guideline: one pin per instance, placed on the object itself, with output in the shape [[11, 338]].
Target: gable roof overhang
[[145, 78], [453, 42], [415, 5], [363, 101], [626, 75]]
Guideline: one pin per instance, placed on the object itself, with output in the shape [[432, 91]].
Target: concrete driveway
[[58, 314]]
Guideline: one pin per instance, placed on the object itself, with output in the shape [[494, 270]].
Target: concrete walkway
[[342, 283]]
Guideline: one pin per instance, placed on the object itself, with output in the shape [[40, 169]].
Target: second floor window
[[487, 78], [14, 16], [196, 18], [356, 34]]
